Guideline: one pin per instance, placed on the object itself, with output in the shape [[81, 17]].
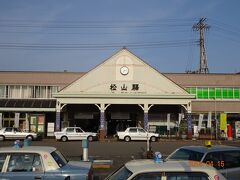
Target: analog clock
[[124, 70]]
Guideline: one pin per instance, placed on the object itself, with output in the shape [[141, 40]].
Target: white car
[[40, 162], [74, 133], [15, 133], [137, 133], [170, 170]]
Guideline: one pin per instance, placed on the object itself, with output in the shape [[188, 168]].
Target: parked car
[[224, 158], [171, 170], [136, 133], [74, 133], [15, 133], [40, 162]]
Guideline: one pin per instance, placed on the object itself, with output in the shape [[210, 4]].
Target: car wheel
[[64, 138], [29, 137], [2, 138], [90, 138], [127, 139], [153, 139]]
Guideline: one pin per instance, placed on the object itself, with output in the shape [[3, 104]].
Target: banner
[[209, 122], [179, 119], [168, 122], [237, 128], [223, 121], [16, 120], [200, 122], [0, 120]]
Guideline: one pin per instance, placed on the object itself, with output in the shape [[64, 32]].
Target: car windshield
[[121, 174], [186, 154], [59, 158]]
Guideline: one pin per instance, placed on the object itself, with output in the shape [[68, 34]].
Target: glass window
[[224, 93], [2, 160], [214, 159], [2, 91], [205, 93], [230, 93], [211, 93], [70, 130], [186, 176], [78, 130], [14, 92], [149, 176], [9, 129], [25, 162], [59, 158], [186, 154], [231, 159], [132, 130], [141, 131], [236, 93], [199, 93], [121, 174], [218, 93]]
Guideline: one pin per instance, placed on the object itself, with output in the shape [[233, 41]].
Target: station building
[[120, 92]]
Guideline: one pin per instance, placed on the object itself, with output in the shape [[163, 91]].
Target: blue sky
[[76, 35]]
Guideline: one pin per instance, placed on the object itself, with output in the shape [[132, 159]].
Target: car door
[[27, 166], [80, 134], [133, 133], [70, 133], [17, 134], [8, 133], [142, 134]]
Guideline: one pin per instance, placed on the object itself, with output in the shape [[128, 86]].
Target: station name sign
[[125, 88]]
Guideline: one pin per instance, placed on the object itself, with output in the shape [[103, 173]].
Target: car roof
[[29, 149], [147, 165], [204, 149]]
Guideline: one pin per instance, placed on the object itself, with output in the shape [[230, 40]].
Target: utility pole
[[201, 27]]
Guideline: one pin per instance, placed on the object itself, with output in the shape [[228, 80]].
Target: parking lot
[[118, 152]]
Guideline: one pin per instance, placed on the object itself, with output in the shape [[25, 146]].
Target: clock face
[[124, 70]]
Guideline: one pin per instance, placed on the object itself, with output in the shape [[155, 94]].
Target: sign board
[[237, 128], [200, 122], [50, 129], [223, 121], [209, 122], [16, 120], [168, 122], [0, 120]]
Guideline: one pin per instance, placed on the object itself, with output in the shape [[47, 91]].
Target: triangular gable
[[124, 73]]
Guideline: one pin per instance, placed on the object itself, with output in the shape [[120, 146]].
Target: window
[[78, 130], [186, 176], [214, 159], [8, 129], [14, 91], [121, 174], [2, 92], [141, 131], [231, 159], [236, 93], [149, 176], [186, 154], [133, 130], [25, 162], [2, 160], [59, 158], [70, 130]]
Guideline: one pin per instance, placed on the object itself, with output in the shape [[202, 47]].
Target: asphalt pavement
[[118, 151]]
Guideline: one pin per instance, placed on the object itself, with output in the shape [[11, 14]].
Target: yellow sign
[[223, 121]]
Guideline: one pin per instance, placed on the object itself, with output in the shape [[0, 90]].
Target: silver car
[[171, 170], [15, 133], [224, 158], [40, 162], [74, 133]]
